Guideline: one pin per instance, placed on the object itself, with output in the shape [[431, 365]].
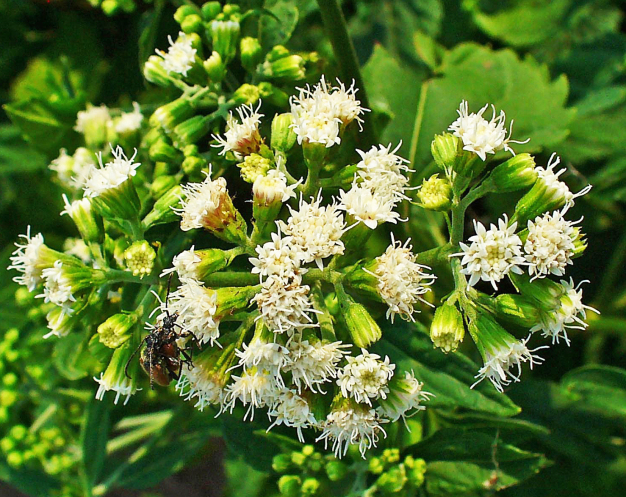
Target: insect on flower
[[162, 357]]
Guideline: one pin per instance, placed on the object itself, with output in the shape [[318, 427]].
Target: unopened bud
[[116, 330], [192, 24], [246, 94], [543, 292], [361, 325], [392, 480], [162, 151], [225, 36], [310, 486], [191, 130], [580, 243], [516, 309], [435, 194], [273, 95], [415, 470], [515, 174], [335, 470], [281, 463], [192, 166], [169, 115], [254, 166], [283, 136], [282, 65], [447, 330], [162, 184], [215, 67], [446, 149], [89, 224], [154, 72], [185, 10], [162, 212], [210, 10], [289, 485], [139, 258], [376, 466], [251, 53]]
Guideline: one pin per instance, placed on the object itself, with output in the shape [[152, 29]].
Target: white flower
[[27, 260], [277, 258], [112, 175], [97, 117], [313, 363], [383, 172], [272, 188], [59, 323], [479, 135], [368, 207], [57, 287], [270, 357], [124, 388], [315, 231], [129, 121], [78, 248], [365, 377], [206, 205], [492, 253], [284, 306], [550, 244], [503, 364], [401, 281], [554, 187], [570, 314], [351, 425], [404, 399], [180, 55], [63, 165], [241, 138], [196, 307], [255, 387], [197, 383], [291, 410], [344, 103], [84, 163], [184, 264]]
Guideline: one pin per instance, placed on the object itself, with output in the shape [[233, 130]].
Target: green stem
[[119, 276], [337, 32], [231, 278], [326, 274]]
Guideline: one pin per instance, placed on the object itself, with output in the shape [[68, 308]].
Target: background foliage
[[556, 66]]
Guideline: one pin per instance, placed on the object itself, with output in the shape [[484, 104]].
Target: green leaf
[[601, 388], [449, 376], [461, 462], [277, 30], [93, 440], [16, 156], [242, 479], [31, 482], [522, 88], [398, 99], [240, 438], [72, 357]]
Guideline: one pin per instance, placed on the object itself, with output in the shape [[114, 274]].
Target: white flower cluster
[[479, 135], [180, 55], [101, 118], [27, 259], [241, 138], [203, 204], [111, 175]]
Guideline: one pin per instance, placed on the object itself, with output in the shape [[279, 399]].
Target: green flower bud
[[289, 485], [310, 486], [7, 444], [246, 94], [162, 151], [89, 224], [273, 95], [153, 71], [376, 466], [336, 470], [447, 330], [446, 149], [215, 67], [543, 292], [391, 456], [211, 261], [192, 24], [392, 480], [18, 433], [9, 380], [15, 459], [116, 330], [516, 309], [225, 36], [8, 398], [183, 11], [283, 136], [298, 459], [162, 212], [231, 9], [210, 10], [361, 325], [251, 53], [163, 184], [515, 174], [191, 130], [139, 258], [281, 64], [435, 194], [193, 166], [254, 166], [168, 116], [415, 470], [281, 463], [580, 243]]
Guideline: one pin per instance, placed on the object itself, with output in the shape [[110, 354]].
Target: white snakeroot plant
[[184, 264], [404, 399], [365, 377], [241, 137], [111, 175], [555, 188], [292, 410], [180, 56], [312, 364]]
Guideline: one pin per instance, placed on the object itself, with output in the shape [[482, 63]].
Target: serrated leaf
[[93, 440], [522, 88], [449, 376], [460, 462], [277, 30]]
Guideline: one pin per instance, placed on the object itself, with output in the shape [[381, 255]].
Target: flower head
[[57, 288], [114, 377], [401, 280], [365, 377], [255, 388], [555, 189], [111, 175], [272, 188], [278, 258], [383, 172], [28, 258], [270, 357], [492, 254], [201, 383], [314, 362], [368, 207], [241, 138], [404, 398], [180, 55], [129, 121], [184, 264], [92, 117], [292, 410]]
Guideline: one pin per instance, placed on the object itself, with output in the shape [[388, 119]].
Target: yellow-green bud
[[162, 151], [169, 115], [225, 36], [361, 325], [116, 330], [162, 211], [8, 398], [7, 444], [447, 330], [154, 72], [185, 10], [543, 292], [298, 459], [435, 194], [336, 470], [289, 485], [18, 433], [163, 184], [246, 94], [515, 309], [392, 480], [281, 463], [139, 258], [192, 24], [254, 166], [9, 380], [282, 65], [310, 486], [390, 456], [251, 53], [415, 470], [192, 166], [191, 130], [215, 67], [376, 466], [15, 459], [515, 174], [283, 136], [210, 10], [446, 149]]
